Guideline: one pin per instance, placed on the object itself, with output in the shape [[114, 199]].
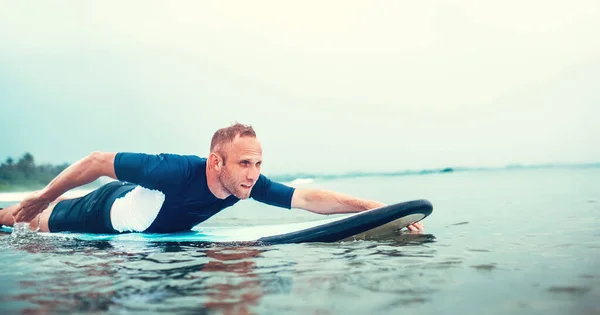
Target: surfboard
[[374, 223]]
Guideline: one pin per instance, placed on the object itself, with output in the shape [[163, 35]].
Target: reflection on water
[[67, 275], [411, 270]]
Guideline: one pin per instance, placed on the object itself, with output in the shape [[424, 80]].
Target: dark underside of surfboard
[[402, 214]]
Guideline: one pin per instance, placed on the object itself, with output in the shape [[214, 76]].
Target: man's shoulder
[[164, 160], [165, 156], [272, 192], [264, 183], [181, 155], [191, 162], [190, 157]]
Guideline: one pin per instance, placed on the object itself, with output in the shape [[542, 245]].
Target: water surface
[[519, 242]]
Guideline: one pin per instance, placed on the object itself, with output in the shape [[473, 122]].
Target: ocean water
[[523, 241]]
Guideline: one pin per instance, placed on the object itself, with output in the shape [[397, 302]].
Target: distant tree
[[24, 174], [26, 164], [26, 159]]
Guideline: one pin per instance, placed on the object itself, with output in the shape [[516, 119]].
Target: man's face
[[242, 168]]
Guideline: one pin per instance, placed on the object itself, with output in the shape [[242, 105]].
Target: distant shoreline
[[7, 188], [295, 176]]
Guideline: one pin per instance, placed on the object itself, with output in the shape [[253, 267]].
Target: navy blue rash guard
[[182, 178]]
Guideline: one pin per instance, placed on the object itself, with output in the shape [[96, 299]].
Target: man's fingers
[[22, 218], [21, 215], [416, 227], [18, 217], [17, 213]]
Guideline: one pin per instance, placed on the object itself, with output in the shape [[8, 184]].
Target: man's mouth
[[247, 186]]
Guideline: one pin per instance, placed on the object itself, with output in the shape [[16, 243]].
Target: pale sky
[[330, 86]]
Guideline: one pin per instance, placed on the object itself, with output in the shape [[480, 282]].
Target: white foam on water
[[302, 181]]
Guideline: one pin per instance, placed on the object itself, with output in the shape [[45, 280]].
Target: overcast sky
[[329, 86]]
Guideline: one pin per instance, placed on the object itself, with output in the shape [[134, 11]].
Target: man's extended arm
[[84, 171], [329, 202]]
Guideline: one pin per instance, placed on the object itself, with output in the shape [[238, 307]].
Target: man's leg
[[40, 220], [6, 215]]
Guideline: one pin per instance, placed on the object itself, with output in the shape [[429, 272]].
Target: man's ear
[[215, 161]]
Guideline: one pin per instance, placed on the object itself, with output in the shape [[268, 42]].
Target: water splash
[[22, 229]]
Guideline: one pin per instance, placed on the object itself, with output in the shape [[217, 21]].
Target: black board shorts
[[89, 213]]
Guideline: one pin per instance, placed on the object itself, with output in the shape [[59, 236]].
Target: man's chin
[[242, 195]]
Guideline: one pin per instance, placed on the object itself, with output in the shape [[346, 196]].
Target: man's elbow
[[96, 158], [301, 198], [309, 199], [101, 163]]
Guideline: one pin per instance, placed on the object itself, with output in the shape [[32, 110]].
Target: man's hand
[[416, 227], [31, 206]]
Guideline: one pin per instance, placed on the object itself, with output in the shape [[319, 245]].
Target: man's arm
[[84, 171], [314, 200], [329, 202]]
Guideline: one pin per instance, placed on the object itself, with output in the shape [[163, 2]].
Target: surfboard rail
[[415, 211]]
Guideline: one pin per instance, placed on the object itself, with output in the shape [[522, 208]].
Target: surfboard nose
[[402, 214]]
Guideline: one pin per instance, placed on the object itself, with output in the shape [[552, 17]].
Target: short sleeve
[[272, 193], [163, 172]]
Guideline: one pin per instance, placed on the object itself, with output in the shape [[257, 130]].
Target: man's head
[[236, 157]]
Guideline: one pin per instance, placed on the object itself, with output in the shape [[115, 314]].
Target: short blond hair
[[225, 136]]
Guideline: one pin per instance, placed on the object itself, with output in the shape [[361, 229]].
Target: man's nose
[[253, 173]]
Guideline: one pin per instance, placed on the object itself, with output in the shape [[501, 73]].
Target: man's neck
[[214, 185]]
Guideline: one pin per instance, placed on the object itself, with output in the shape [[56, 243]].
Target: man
[[169, 193]]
